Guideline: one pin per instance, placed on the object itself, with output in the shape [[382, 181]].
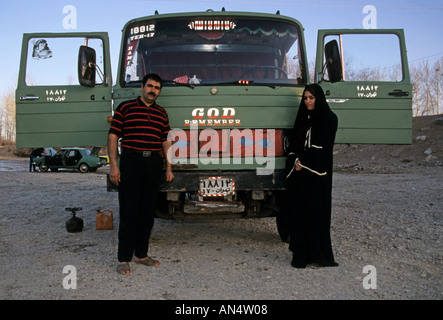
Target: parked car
[[72, 158]]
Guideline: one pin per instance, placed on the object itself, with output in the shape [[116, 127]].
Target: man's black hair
[[152, 76]]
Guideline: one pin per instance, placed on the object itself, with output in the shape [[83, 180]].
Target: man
[[143, 126], [34, 154]]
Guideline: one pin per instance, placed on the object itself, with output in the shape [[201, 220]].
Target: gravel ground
[[387, 216], [390, 221]]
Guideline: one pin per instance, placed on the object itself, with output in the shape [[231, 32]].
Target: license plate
[[216, 187]]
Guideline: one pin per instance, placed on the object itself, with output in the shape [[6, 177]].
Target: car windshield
[[202, 50]]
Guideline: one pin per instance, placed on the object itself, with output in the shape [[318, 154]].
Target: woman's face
[[309, 100]]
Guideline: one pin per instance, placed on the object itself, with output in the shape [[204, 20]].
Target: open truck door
[[365, 76], [64, 91]]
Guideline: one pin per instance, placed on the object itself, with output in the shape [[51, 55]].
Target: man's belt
[[143, 153]]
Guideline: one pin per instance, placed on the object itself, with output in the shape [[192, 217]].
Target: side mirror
[[86, 66], [333, 61]]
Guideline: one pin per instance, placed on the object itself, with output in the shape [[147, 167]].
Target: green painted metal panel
[[377, 112], [62, 115], [255, 107]]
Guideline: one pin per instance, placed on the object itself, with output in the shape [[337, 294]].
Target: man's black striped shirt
[[141, 127]]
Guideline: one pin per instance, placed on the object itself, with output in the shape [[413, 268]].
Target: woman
[[309, 180]]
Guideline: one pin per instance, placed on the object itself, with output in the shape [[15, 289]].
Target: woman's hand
[[298, 166]]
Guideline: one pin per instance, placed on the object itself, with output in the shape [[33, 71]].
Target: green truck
[[232, 86]]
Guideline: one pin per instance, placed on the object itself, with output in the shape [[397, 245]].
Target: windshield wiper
[[250, 83], [209, 83], [273, 85], [175, 83]]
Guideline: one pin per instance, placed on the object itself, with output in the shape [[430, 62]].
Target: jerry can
[[104, 220]]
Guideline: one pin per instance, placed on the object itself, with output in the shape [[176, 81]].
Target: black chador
[[309, 188]]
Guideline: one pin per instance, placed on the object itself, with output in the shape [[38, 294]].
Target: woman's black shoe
[[297, 264]]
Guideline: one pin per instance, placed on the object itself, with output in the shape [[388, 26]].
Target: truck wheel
[[161, 210], [42, 167], [83, 168]]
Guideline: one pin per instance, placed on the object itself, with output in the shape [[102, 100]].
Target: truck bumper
[[188, 181]]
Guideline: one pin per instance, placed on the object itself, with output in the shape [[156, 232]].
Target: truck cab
[[232, 85]]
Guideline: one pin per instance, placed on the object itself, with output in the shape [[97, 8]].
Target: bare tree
[[8, 117], [427, 87], [437, 84], [416, 79]]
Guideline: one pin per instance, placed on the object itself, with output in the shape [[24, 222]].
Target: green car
[[72, 158]]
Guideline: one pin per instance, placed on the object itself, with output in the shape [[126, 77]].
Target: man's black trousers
[[137, 194]]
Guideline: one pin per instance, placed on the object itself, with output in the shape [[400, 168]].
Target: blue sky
[[421, 20]]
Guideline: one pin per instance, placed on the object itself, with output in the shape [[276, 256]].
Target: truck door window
[[368, 57], [53, 61]]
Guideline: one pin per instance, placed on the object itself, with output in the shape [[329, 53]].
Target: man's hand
[[298, 166], [166, 145], [169, 175], [114, 173]]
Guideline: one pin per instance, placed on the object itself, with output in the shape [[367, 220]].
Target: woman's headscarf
[[304, 117]]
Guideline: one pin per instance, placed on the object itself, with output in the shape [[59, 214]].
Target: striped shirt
[[141, 127]]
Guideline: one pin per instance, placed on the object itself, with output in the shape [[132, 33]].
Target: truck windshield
[[206, 50]]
